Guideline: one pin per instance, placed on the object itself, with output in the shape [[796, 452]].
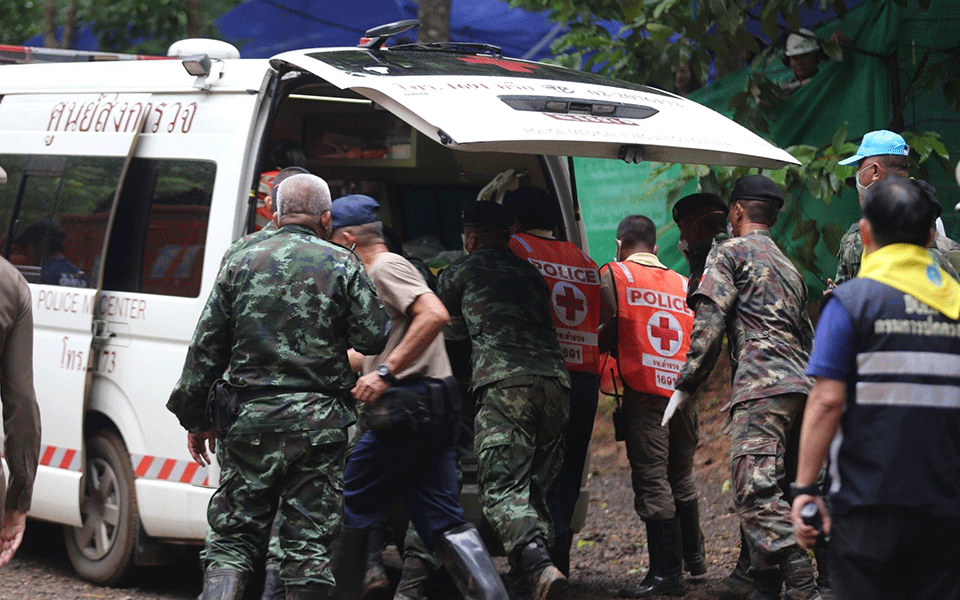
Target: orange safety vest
[[653, 325], [574, 282]]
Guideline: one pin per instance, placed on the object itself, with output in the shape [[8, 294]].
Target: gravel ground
[[609, 553]]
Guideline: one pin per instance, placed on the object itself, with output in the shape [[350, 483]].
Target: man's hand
[[11, 534], [197, 445], [369, 388], [677, 400], [806, 534]]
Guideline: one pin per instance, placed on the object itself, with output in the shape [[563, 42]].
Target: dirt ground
[[608, 554]]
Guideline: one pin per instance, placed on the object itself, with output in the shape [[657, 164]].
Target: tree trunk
[[195, 22], [434, 17], [49, 24], [69, 25]]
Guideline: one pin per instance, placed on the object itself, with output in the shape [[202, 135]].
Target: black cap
[[688, 204], [486, 213], [757, 187]]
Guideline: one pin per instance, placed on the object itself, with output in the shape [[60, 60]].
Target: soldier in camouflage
[[279, 320], [882, 153], [519, 377], [751, 293], [272, 586]]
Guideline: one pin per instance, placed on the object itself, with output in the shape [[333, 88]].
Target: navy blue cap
[[356, 209]]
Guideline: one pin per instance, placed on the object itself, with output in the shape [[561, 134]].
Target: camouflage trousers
[[301, 473], [519, 443], [759, 435]]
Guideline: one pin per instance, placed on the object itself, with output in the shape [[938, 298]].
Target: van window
[[54, 211], [158, 241]]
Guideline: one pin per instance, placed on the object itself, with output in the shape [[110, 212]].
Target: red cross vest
[[574, 282], [654, 324]]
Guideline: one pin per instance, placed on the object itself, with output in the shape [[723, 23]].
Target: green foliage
[[19, 20], [131, 26]]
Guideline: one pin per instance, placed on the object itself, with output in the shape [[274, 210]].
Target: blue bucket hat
[[878, 143], [355, 209]]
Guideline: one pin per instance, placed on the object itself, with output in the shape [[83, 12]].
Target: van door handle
[[100, 330]]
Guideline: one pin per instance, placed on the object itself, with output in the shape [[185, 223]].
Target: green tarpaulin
[[856, 92]]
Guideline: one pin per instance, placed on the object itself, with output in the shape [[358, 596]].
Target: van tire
[[102, 549]]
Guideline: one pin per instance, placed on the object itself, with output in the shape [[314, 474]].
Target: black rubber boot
[[223, 584], [350, 564], [375, 580], [469, 564], [691, 536], [766, 585], [799, 576], [272, 586], [560, 552], [664, 575], [313, 592], [547, 580], [413, 580], [822, 554], [735, 586]]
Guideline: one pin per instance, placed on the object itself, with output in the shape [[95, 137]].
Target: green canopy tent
[[858, 92]]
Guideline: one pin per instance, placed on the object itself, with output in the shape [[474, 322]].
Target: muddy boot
[[223, 584], [560, 552], [766, 585], [349, 564], [736, 586], [799, 577], [547, 581], [664, 575], [691, 536], [822, 554], [375, 581], [413, 580], [469, 564], [272, 586]]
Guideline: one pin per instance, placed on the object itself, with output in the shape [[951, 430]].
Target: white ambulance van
[[128, 179]]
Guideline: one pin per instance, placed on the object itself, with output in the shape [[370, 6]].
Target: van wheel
[[102, 549]]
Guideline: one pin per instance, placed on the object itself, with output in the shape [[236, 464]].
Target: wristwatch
[[804, 490], [383, 371]]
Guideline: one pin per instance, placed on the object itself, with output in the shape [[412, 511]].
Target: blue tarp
[[263, 28]]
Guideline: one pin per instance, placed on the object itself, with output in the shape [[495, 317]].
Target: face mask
[[862, 189], [683, 247], [616, 257]]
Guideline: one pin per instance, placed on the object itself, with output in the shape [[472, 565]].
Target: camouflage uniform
[[279, 319], [752, 292], [851, 253], [521, 383]]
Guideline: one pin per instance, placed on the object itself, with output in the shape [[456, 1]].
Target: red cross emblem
[[569, 304], [509, 65], [665, 333]]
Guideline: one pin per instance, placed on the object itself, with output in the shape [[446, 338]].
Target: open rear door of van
[[484, 102], [66, 157]]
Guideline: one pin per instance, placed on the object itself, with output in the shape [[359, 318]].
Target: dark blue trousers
[[418, 466]]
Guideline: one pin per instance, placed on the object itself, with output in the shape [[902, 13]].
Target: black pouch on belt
[[223, 406]]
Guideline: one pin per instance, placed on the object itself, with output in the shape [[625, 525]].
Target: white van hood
[[486, 103]]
